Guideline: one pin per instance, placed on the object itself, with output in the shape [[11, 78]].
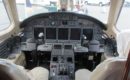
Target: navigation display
[[50, 33], [88, 33], [63, 34], [75, 34], [37, 31]]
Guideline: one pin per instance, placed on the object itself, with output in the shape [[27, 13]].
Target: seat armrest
[[17, 58]]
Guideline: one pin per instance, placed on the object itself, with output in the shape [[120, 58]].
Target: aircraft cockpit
[[62, 40]]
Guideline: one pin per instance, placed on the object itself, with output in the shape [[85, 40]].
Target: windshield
[[123, 23], [4, 19], [92, 8]]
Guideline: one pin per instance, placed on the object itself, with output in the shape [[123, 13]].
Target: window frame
[[116, 27], [10, 22]]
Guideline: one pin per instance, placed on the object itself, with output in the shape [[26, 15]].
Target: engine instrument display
[[50, 33]]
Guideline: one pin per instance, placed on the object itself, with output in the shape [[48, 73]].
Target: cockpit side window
[[123, 22], [4, 18]]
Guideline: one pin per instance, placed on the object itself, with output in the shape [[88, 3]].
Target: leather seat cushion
[[82, 74], [39, 73]]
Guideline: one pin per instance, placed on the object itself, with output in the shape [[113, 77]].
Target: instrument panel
[[62, 27], [64, 42]]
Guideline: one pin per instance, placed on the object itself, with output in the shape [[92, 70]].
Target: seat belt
[[127, 69]]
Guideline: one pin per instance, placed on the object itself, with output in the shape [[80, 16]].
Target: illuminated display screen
[[75, 34], [88, 33], [63, 34], [50, 33], [37, 31]]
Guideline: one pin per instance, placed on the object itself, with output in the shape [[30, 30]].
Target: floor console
[[62, 63]]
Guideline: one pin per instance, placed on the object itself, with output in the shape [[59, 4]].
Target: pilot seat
[[11, 71], [112, 68]]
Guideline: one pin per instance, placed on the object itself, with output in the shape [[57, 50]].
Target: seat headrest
[[4, 74], [10, 71], [110, 69]]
